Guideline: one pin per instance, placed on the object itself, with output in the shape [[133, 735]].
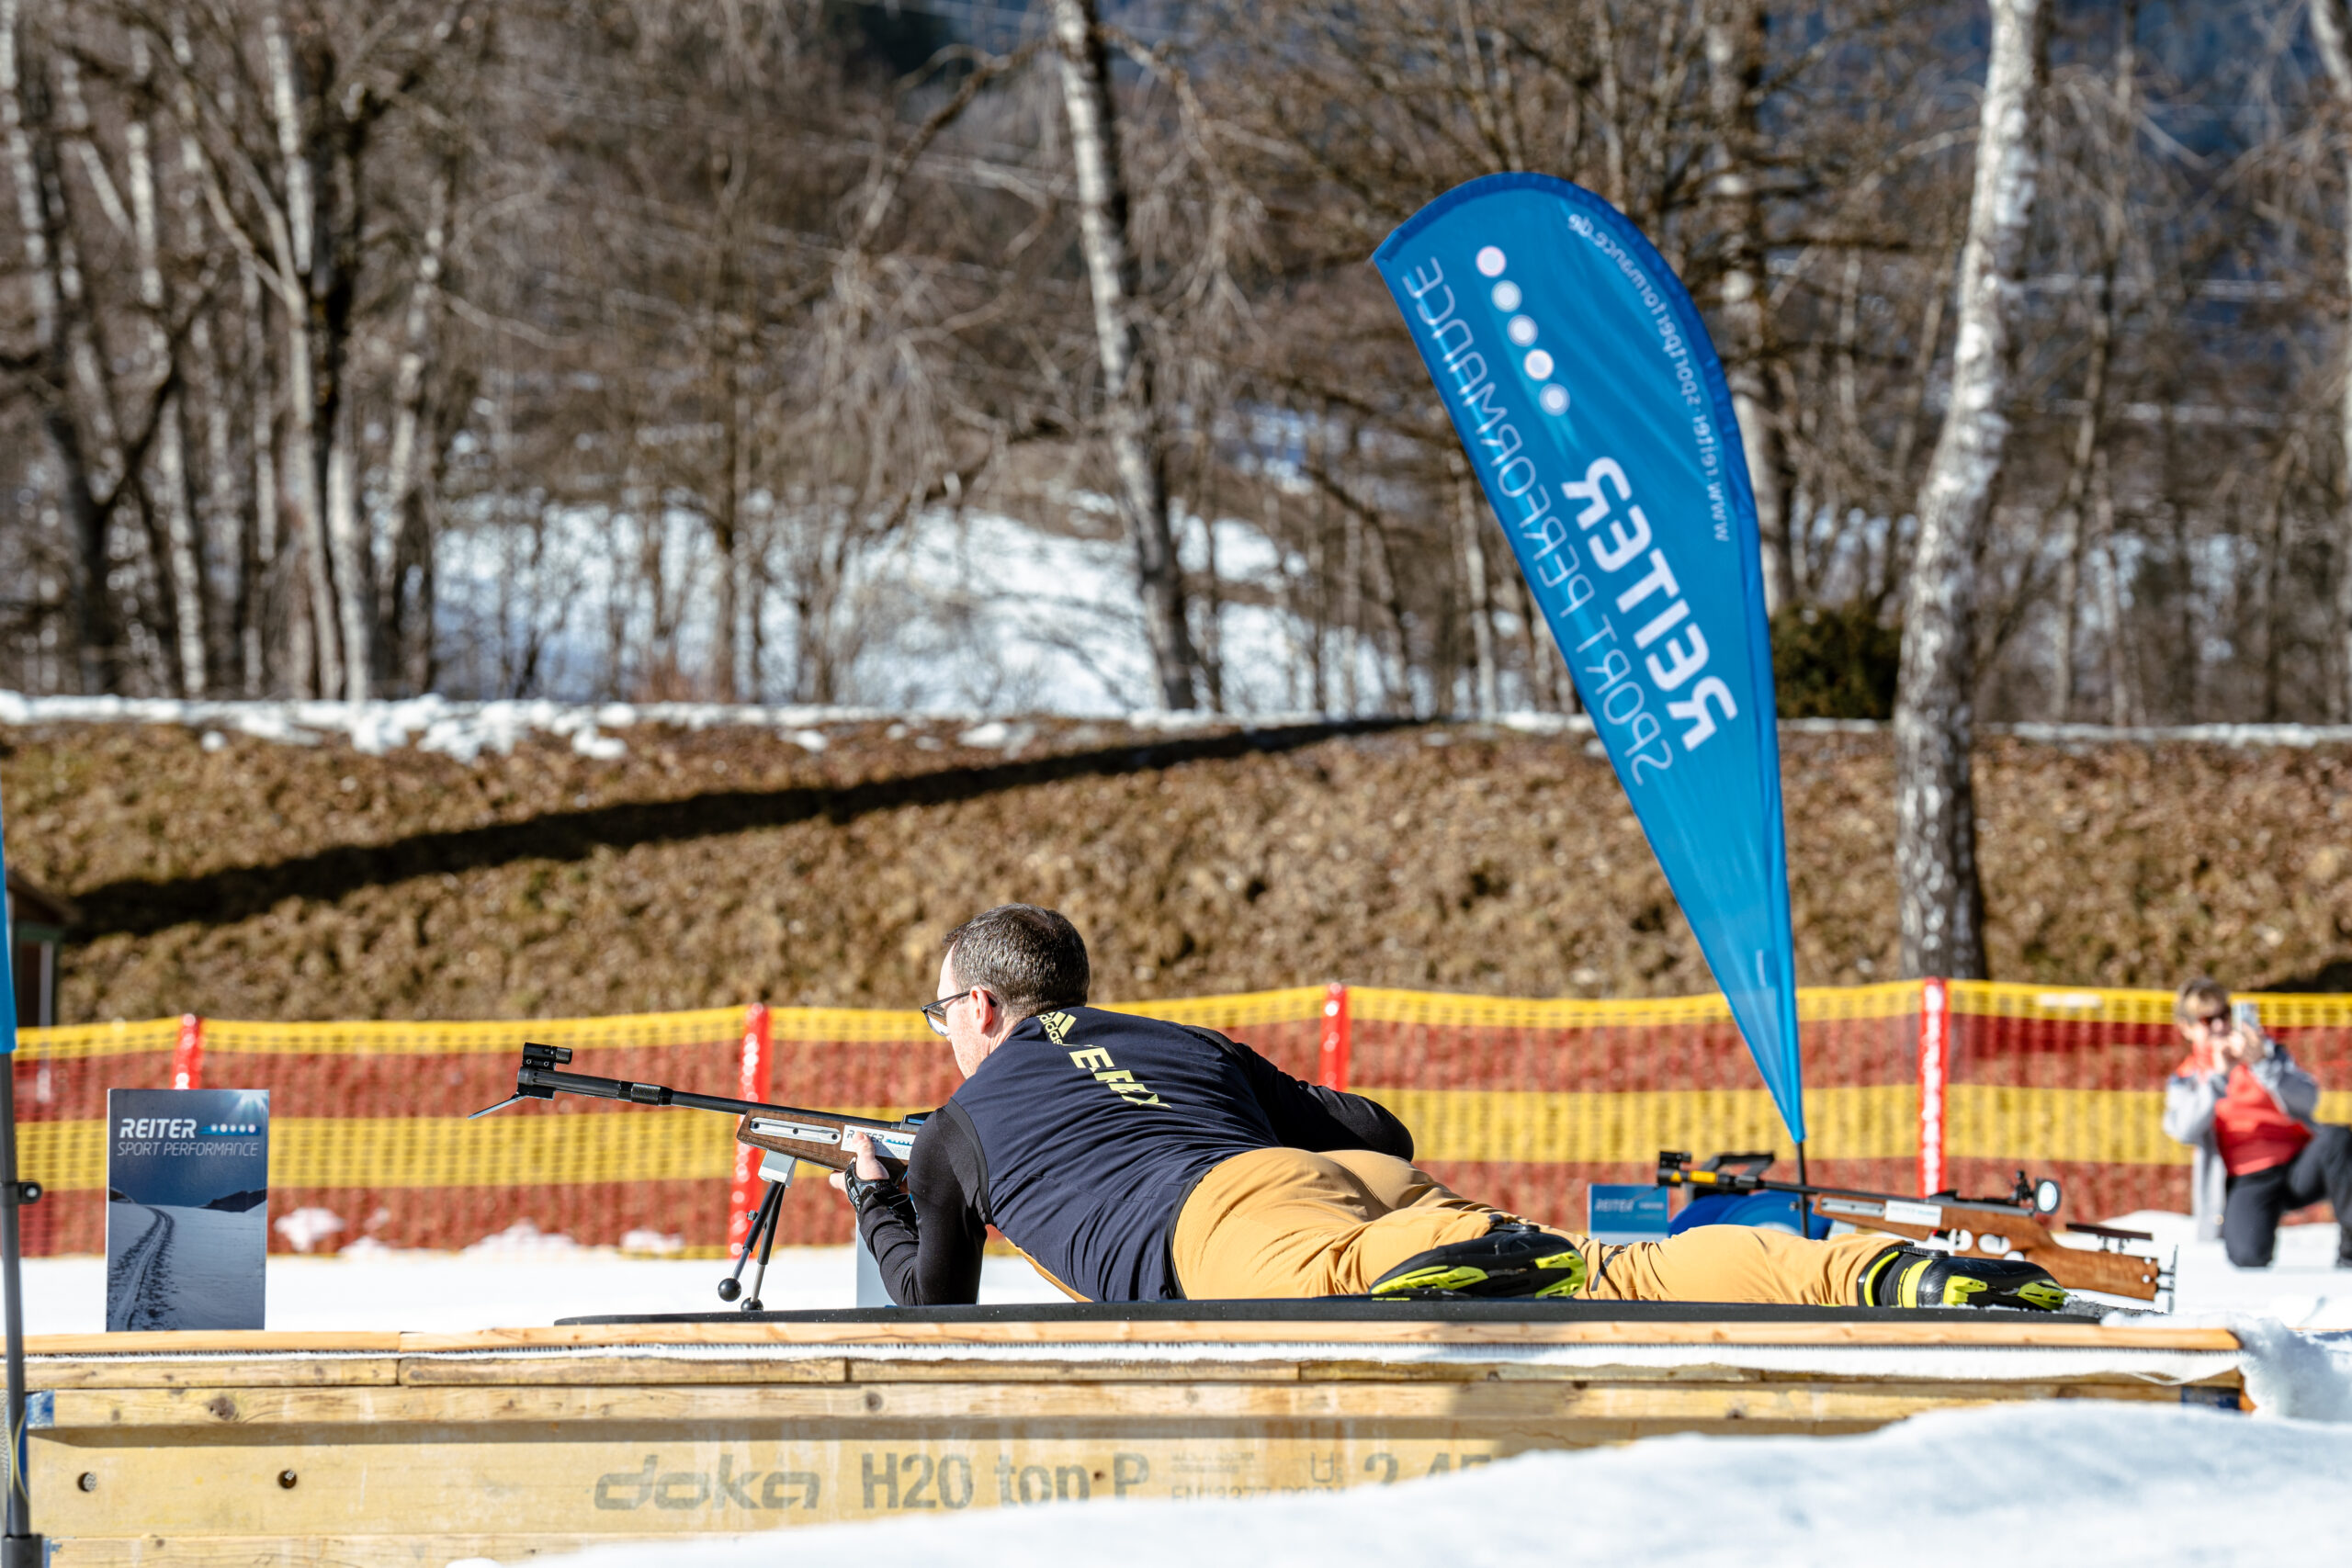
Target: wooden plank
[[1340, 1370], [716, 1459], [1713, 1372], [2003, 1330], [562, 1372], [209, 1342], [2130, 1384], [163, 1371], [292, 1411], [960, 1371], [309, 1550], [651, 1486], [595, 1372]]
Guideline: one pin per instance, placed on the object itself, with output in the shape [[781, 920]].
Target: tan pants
[[1287, 1222]]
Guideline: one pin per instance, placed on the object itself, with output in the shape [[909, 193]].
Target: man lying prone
[[1133, 1160]]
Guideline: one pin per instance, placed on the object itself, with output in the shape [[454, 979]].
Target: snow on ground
[[497, 1288], [468, 730], [463, 730], [960, 608]]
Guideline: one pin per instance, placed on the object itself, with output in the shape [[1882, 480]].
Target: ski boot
[[1513, 1258], [1912, 1277]]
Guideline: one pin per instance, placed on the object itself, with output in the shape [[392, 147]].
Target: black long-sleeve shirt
[[1079, 1137]]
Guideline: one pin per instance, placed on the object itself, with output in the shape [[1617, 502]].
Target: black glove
[[883, 1189]]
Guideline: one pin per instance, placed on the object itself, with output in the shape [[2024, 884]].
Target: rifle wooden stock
[[1994, 1230], [1971, 1227], [816, 1137]]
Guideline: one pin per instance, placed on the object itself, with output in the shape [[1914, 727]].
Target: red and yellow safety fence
[[1522, 1102]]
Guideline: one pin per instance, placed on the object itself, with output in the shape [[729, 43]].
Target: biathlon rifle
[[813, 1135], [2015, 1226]]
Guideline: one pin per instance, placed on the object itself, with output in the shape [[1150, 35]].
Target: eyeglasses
[[2209, 1023], [935, 1013]]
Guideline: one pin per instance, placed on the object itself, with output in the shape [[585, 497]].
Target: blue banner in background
[[1593, 406]]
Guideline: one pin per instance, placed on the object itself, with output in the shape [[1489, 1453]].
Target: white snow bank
[[515, 1279], [463, 730], [2293, 1376], [467, 730], [2053, 1482]]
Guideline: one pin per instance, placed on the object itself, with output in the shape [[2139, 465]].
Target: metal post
[[871, 1291], [20, 1548], [1805, 1224]]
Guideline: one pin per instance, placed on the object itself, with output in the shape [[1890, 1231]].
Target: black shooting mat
[[1336, 1309]]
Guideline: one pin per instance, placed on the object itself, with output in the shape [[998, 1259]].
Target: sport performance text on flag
[[1591, 403]]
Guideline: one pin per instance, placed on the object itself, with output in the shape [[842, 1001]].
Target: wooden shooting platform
[[211, 1450]]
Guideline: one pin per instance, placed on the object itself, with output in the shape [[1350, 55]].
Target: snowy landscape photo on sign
[[187, 1208]]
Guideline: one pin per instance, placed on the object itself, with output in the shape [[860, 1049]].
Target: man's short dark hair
[[2204, 991], [1031, 960]]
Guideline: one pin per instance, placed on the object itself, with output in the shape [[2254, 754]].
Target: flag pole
[[19, 1548], [1805, 1224]]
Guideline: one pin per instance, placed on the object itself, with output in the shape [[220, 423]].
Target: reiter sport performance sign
[[1593, 406]]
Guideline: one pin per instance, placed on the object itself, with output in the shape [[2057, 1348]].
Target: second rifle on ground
[[2016, 1226]]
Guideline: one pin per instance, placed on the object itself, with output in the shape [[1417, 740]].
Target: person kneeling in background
[[2241, 1101]]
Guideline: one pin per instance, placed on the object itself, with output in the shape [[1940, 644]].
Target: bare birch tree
[[2331, 31], [1942, 901], [1131, 419], [52, 281], [1735, 44], [2113, 132]]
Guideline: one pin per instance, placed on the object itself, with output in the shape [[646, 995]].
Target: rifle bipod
[[761, 1235]]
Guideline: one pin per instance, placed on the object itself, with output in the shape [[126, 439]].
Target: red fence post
[[751, 1083], [1333, 1069], [188, 1054], [1935, 1076]]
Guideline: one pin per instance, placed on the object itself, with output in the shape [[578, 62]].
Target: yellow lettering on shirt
[[1117, 1080]]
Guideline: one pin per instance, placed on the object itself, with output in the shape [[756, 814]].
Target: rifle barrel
[[1733, 1183], [555, 1081]]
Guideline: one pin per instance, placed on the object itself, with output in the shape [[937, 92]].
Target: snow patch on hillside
[[468, 730], [463, 730]]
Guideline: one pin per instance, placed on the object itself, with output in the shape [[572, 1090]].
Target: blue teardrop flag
[[1593, 406]]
